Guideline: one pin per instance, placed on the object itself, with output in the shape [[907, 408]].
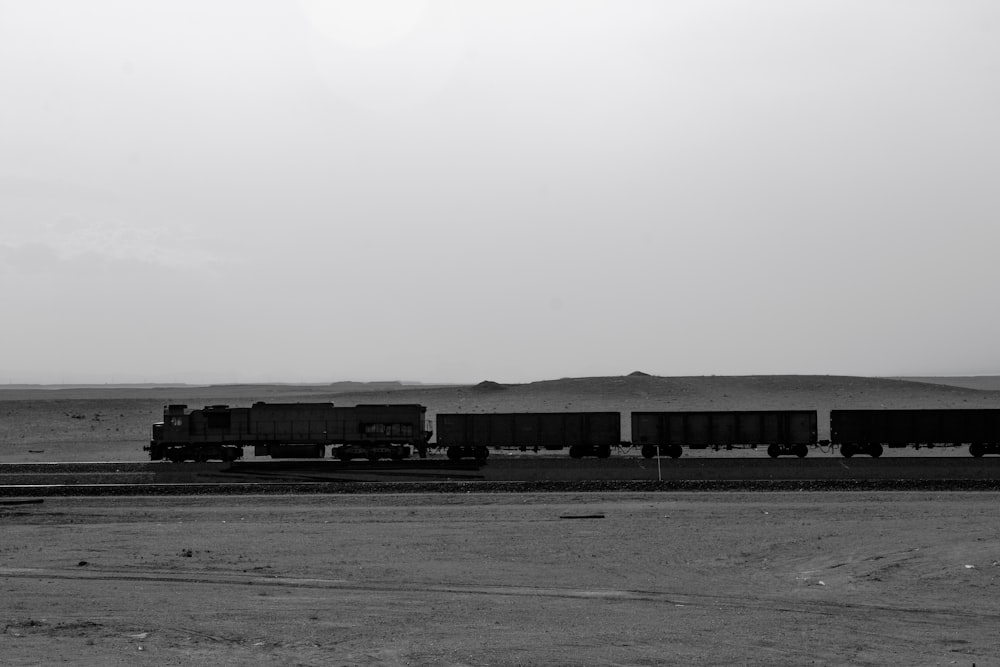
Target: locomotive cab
[[173, 429], [176, 423]]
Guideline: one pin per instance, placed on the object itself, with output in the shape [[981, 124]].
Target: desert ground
[[504, 579], [705, 578]]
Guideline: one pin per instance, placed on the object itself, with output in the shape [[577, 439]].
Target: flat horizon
[[421, 383]]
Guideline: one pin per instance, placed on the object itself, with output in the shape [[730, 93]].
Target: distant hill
[[821, 392], [195, 392], [616, 393], [627, 393], [634, 391], [985, 382], [94, 417]]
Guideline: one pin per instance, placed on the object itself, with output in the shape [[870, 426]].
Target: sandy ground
[[479, 579]]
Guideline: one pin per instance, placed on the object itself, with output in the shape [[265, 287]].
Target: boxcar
[[868, 431], [584, 433], [783, 431], [289, 430]]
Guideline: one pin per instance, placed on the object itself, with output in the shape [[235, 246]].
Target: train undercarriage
[[227, 453], [876, 449], [481, 452], [774, 450]]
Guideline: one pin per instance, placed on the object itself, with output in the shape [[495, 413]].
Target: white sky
[[211, 190]]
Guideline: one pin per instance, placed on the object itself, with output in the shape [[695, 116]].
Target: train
[[395, 431]]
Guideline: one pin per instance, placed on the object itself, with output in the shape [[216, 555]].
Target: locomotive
[[290, 430], [372, 432]]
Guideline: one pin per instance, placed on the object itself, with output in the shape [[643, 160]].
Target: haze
[[221, 191]]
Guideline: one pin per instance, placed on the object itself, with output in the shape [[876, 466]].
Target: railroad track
[[499, 474], [149, 473]]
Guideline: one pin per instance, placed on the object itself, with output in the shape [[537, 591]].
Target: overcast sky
[[214, 191]]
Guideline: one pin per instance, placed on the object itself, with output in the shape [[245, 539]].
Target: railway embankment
[[501, 476]]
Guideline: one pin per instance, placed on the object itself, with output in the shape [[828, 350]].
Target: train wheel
[[675, 451], [482, 453], [774, 451], [604, 451], [847, 450], [801, 451], [454, 453], [648, 451], [977, 449], [576, 452], [875, 450]]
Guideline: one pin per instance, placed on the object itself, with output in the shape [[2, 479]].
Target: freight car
[[290, 430], [868, 431], [783, 431], [584, 433]]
